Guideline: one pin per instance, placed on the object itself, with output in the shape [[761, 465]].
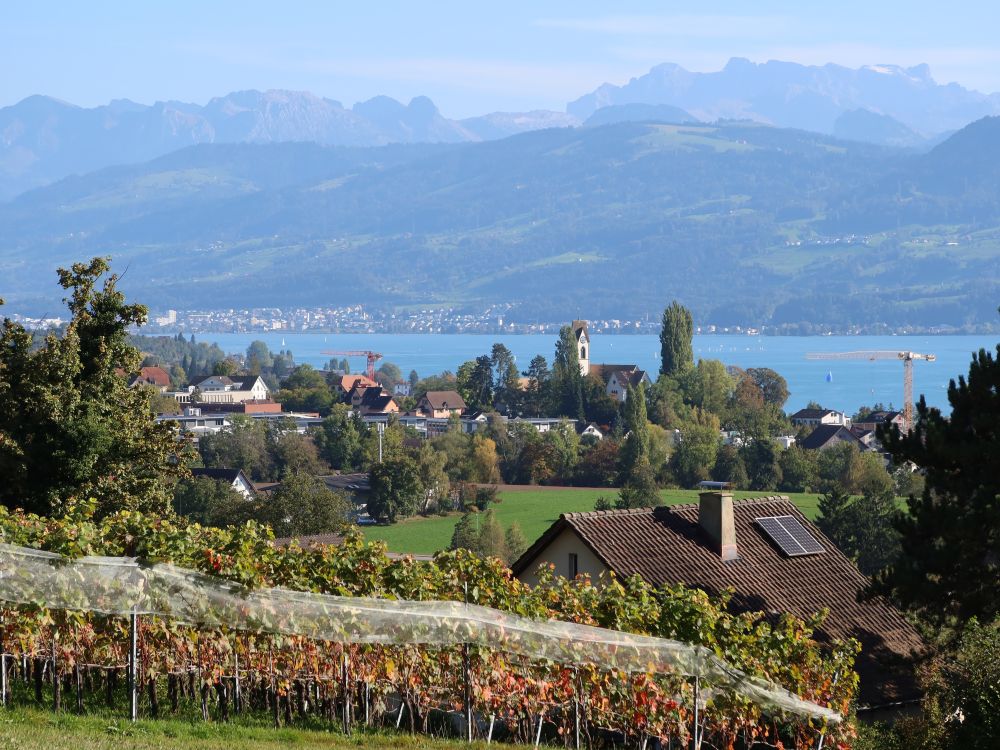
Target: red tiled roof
[[668, 546], [156, 376]]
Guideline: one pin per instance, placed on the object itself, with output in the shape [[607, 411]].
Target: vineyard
[[149, 618]]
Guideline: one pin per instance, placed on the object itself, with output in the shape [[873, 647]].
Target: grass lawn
[[535, 509], [33, 729]]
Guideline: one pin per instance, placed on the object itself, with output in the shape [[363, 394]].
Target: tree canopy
[[70, 427], [949, 566], [676, 353]]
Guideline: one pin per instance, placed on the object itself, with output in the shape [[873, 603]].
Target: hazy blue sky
[[468, 58]]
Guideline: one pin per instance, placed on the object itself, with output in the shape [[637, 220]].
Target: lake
[[843, 385]]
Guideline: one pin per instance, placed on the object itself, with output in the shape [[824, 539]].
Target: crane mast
[[907, 357], [371, 357]]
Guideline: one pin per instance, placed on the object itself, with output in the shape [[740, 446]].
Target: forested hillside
[[602, 221]]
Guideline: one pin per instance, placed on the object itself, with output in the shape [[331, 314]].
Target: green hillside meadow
[[535, 509]]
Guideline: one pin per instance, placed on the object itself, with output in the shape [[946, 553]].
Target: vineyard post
[[467, 677], [56, 684], [274, 687], [3, 678], [696, 738], [344, 688], [3, 667], [576, 708], [133, 665], [237, 692], [538, 734]]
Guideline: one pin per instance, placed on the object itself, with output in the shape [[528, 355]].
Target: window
[[574, 564]]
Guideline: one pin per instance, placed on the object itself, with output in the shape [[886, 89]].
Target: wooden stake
[[133, 666]]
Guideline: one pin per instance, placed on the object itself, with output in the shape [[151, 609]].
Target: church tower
[[582, 334]]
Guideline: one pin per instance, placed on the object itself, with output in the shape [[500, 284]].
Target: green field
[[535, 509], [32, 729]]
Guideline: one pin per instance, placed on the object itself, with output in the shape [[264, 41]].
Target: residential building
[[234, 477], [156, 377], [828, 436], [815, 417], [373, 400], [772, 557], [440, 404], [591, 429], [349, 382], [620, 380], [225, 389], [881, 419], [196, 423], [401, 389]]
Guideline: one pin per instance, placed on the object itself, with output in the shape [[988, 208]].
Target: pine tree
[[491, 537], [567, 380], [466, 533], [676, 353], [950, 561], [515, 542], [636, 427]]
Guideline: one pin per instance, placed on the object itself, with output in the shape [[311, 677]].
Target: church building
[[616, 378]]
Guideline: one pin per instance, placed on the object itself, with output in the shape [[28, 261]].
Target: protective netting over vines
[[120, 586]]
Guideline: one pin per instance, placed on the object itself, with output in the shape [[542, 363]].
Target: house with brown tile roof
[[829, 436], [368, 400], [722, 544], [440, 404]]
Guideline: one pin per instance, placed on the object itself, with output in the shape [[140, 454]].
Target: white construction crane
[[906, 357]]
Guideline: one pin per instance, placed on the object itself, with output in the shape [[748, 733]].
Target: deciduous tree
[[70, 427], [395, 489]]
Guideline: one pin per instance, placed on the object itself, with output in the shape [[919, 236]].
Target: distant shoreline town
[[492, 320]]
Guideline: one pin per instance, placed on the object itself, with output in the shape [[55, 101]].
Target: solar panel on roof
[[791, 536]]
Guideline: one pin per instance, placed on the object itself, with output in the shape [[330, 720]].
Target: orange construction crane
[[372, 357], [907, 359]]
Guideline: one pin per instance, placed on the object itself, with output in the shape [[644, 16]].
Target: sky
[[470, 58]]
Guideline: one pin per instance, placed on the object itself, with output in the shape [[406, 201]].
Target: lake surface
[[843, 385]]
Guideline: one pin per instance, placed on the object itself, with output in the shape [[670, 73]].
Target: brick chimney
[[715, 515]]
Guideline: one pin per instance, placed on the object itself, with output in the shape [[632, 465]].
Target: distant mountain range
[[815, 98], [43, 140], [745, 223]]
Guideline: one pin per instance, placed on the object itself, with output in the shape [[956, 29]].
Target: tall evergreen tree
[[676, 353], [506, 388], [636, 428], [949, 566], [637, 475], [567, 380], [537, 394]]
